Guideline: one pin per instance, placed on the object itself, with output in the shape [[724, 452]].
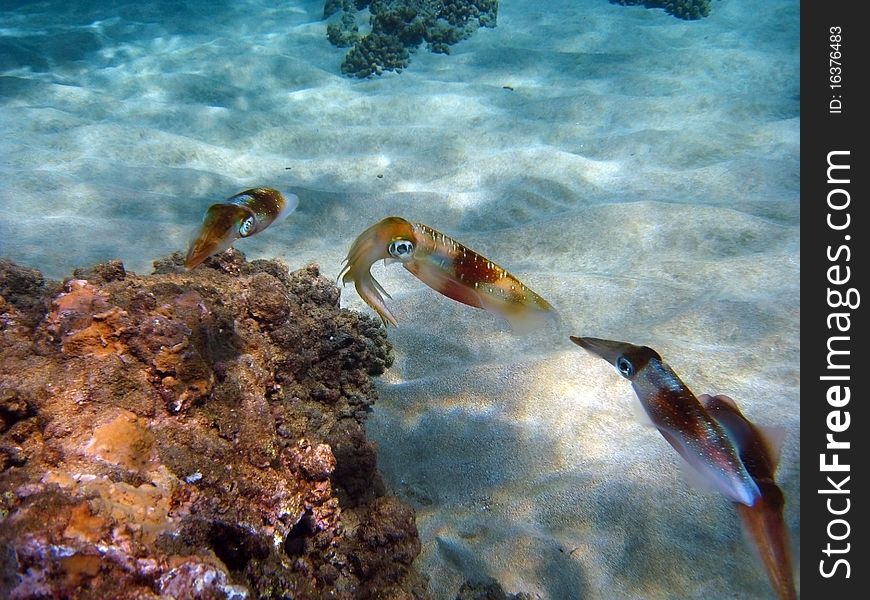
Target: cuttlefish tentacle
[[243, 215], [763, 520], [446, 266], [679, 417]]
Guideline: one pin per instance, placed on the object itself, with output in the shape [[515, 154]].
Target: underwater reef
[[689, 10], [399, 26], [487, 589], [193, 434]]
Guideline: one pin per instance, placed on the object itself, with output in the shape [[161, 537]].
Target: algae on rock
[[193, 434]]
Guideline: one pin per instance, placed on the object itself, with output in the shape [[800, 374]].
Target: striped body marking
[[446, 266]]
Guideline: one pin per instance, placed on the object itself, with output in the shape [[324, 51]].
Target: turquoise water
[[638, 171]]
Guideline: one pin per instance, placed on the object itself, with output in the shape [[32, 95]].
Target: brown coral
[[192, 434]]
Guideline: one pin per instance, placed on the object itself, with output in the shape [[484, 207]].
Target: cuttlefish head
[[390, 239], [240, 216], [223, 224], [628, 359]]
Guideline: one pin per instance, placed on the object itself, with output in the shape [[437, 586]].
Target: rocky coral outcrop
[[682, 9], [487, 589], [193, 435], [399, 26]]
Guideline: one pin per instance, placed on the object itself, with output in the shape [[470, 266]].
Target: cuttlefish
[[763, 520], [243, 215], [446, 266], [716, 439], [680, 417]]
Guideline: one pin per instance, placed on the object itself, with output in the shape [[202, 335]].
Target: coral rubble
[[193, 435], [683, 9], [399, 27]]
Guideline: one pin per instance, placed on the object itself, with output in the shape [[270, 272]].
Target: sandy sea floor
[[638, 171]]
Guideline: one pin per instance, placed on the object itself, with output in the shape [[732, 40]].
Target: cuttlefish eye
[[624, 366], [401, 249], [247, 226]]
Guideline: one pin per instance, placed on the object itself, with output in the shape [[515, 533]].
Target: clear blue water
[[638, 171]]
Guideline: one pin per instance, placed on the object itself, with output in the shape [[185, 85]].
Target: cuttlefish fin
[[520, 306], [699, 473], [723, 409], [763, 521], [774, 438], [520, 317], [711, 402], [639, 412], [521, 320], [440, 281]]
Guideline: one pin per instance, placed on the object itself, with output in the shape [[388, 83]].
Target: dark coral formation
[[683, 9], [374, 54], [23, 289], [399, 27], [193, 435], [487, 589], [344, 33]]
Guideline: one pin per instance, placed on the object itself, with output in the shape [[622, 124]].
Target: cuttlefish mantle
[[763, 521], [446, 266], [679, 416]]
